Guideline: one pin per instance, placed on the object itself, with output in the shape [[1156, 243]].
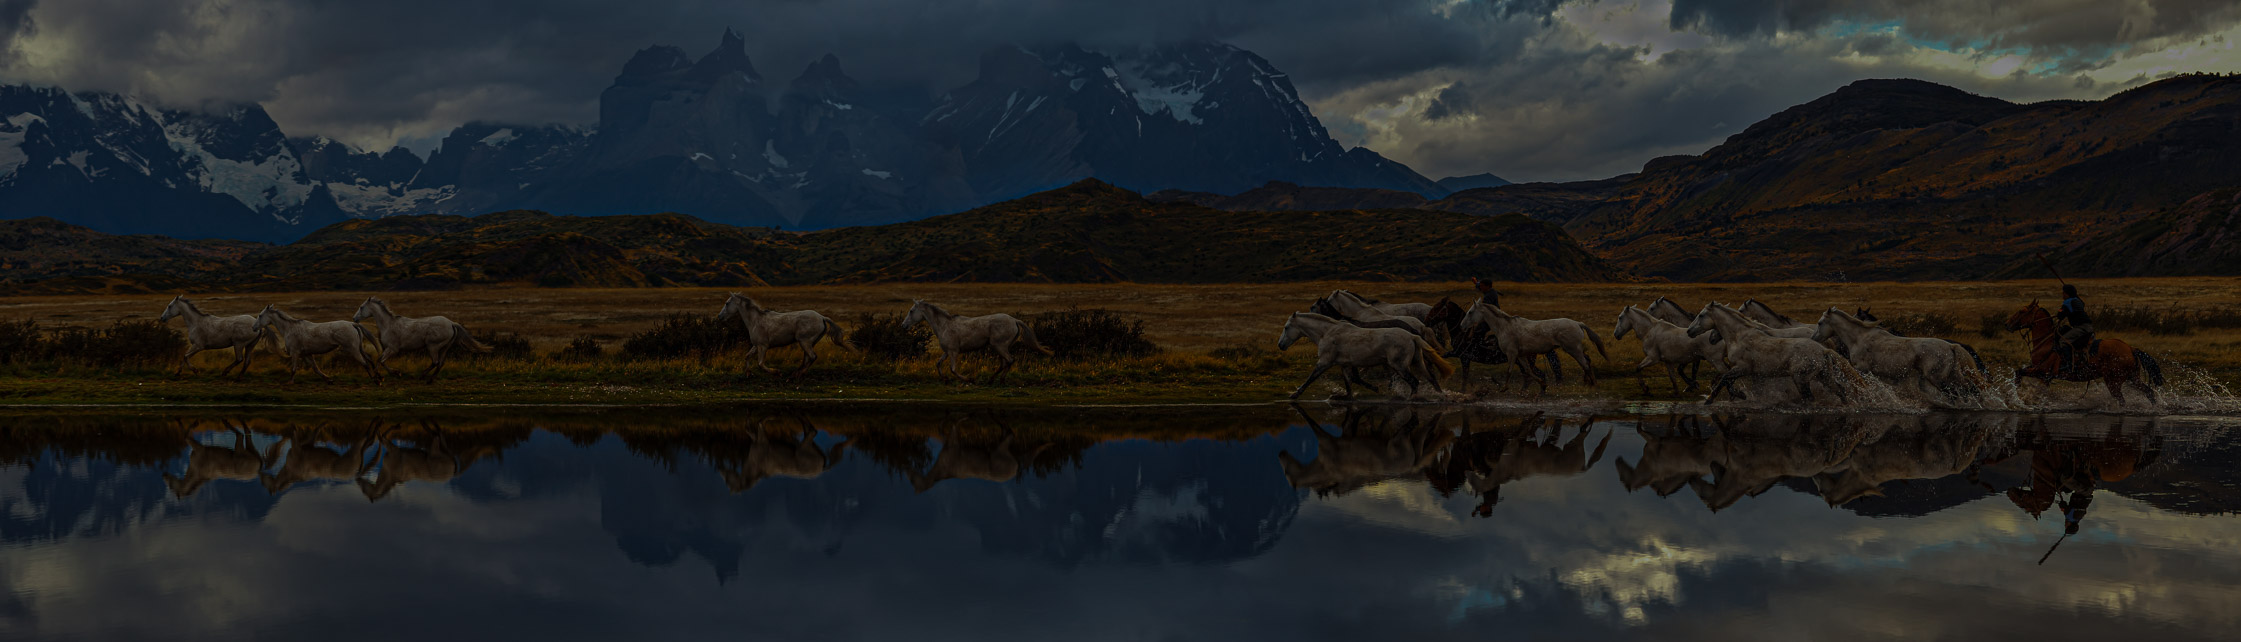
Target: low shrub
[[1922, 324], [20, 341], [1991, 325], [1077, 335], [506, 346], [2163, 322], [581, 349], [686, 335], [143, 342], [883, 336]]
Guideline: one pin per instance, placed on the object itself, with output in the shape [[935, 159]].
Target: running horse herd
[[1413, 342], [1749, 342]]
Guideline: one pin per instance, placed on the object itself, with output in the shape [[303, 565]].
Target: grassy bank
[[1217, 341]]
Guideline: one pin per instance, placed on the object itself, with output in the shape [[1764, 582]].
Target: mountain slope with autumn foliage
[[1909, 179], [1088, 232]]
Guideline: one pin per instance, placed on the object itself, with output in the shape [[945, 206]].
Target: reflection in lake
[[870, 522]]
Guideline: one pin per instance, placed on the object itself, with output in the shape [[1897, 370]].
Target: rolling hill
[[1088, 232], [1904, 179]]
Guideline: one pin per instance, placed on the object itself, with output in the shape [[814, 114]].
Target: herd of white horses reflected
[[1719, 459]]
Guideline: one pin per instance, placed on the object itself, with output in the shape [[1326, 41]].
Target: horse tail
[[1027, 331], [1598, 339], [839, 338], [368, 336], [2149, 365], [459, 336], [1973, 355], [1433, 363]]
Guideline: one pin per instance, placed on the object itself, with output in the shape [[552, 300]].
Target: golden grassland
[[1193, 323]]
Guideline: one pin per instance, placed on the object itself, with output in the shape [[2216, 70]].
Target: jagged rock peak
[[730, 55], [653, 61]]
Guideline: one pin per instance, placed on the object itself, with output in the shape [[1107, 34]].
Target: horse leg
[[315, 369], [1579, 355], [1531, 374], [359, 353], [1836, 386], [1725, 382], [762, 356], [292, 359], [1355, 375], [1645, 383], [807, 357], [435, 362], [2145, 389], [183, 367], [1311, 376], [1003, 354], [2116, 388]]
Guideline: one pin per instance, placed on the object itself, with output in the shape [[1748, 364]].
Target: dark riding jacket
[[2073, 312]]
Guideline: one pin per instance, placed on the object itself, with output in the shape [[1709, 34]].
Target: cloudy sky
[[1529, 89]]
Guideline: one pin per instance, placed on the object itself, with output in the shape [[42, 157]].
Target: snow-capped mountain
[[1195, 116], [708, 137]]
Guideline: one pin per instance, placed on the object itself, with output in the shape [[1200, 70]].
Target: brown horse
[[2112, 361]]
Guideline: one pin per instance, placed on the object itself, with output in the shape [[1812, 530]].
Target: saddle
[[2072, 361]]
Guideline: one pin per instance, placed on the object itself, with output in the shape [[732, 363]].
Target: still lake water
[[1255, 523]]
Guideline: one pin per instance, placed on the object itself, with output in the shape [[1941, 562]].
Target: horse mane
[[1361, 298], [183, 300], [1747, 304], [283, 314]]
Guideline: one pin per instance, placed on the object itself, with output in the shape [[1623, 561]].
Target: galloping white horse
[[1341, 344], [1754, 352], [1776, 323], [1519, 337], [301, 340], [1415, 311], [1668, 311], [959, 335], [1665, 343], [1936, 366], [435, 334], [207, 332], [766, 328], [1358, 309]]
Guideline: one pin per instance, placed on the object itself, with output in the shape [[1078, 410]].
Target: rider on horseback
[[2078, 333], [1486, 292]]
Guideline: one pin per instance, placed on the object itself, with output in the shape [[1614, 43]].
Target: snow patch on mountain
[[498, 138], [11, 142], [376, 201], [266, 184], [770, 154]]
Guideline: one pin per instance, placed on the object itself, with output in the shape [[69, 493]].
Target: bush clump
[[582, 349], [142, 342], [883, 336], [20, 341], [1077, 335], [2164, 322], [686, 335], [1991, 325], [506, 346], [1922, 324]]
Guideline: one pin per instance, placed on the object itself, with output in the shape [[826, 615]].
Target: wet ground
[[884, 521]]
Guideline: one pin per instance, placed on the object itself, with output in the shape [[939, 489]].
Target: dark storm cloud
[[1545, 88], [2049, 26], [15, 19], [405, 67], [1454, 100]]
